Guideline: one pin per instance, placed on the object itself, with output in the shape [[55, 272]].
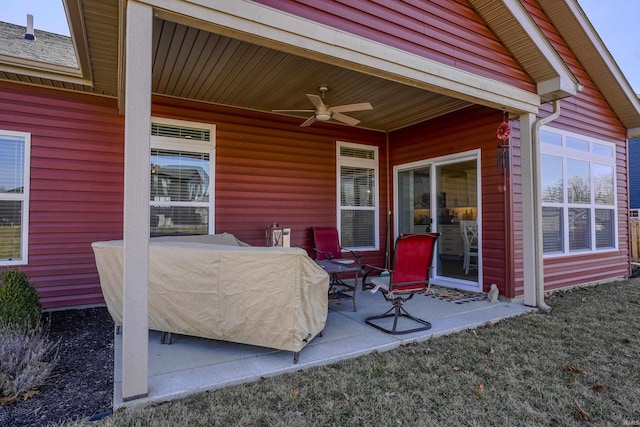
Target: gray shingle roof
[[48, 47]]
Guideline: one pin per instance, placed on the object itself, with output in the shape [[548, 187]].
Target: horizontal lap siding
[[589, 114], [447, 31], [469, 129], [76, 186], [269, 169]]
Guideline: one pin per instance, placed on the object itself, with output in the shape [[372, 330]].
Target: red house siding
[[268, 170], [589, 114], [450, 32], [76, 186], [468, 129]]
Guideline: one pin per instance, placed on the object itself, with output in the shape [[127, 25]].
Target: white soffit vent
[[180, 132], [358, 153]]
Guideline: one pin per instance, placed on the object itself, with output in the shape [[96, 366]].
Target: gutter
[[539, 265]]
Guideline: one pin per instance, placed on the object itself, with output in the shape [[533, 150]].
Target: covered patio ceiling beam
[[255, 23]]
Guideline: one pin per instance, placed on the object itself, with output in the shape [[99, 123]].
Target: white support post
[[529, 186], [135, 329]]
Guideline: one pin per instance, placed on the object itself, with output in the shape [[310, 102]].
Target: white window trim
[[168, 143], [574, 154], [364, 163], [24, 197]]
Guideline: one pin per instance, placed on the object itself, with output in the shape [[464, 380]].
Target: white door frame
[[432, 163]]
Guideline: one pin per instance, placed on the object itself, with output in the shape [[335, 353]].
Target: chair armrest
[[367, 269], [327, 255], [356, 255]]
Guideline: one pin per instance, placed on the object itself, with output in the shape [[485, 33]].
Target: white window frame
[[361, 163], [178, 144], [23, 197], [592, 158]]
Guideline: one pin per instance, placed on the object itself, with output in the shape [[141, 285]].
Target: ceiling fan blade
[[293, 111], [316, 101], [352, 107], [344, 119], [309, 121]]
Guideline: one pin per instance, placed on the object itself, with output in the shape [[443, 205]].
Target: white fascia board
[[75, 21], [42, 70], [557, 88], [45, 75], [249, 21], [566, 83], [604, 53]]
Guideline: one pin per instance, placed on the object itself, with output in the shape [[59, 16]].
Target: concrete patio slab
[[191, 365]]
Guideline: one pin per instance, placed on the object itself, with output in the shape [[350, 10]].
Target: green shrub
[[19, 302]]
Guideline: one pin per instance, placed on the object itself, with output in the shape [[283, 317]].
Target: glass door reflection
[[456, 187], [414, 201]]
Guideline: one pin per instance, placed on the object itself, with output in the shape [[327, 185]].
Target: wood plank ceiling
[[195, 64]]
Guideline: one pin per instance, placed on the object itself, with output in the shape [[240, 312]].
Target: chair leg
[[398, 311]]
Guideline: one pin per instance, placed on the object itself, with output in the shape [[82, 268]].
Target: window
[[182, 159], [578, 193], [357, 168], [15, 148]]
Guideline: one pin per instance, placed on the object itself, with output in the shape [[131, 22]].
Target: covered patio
[[191, 365], [406, 88]]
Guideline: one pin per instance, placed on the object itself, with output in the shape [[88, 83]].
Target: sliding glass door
[[442, 195], [414, 200]]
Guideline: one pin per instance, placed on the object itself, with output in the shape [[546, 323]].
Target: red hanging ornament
[[504, 130]]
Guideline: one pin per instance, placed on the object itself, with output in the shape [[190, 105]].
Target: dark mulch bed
[[82, 383]]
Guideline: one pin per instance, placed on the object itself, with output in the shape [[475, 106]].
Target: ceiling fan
[[323, 112]]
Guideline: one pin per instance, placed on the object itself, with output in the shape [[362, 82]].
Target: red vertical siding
[[447, 31], [468, 129], [76, 186], [589, 114], [268, 170]]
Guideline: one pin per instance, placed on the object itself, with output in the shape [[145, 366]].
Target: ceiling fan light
[[323, 117]]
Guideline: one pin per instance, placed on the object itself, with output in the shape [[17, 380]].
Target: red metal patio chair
[[412, 261], [326, 245]]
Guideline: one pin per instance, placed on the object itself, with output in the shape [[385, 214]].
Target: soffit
[[515, 28], [514, 36], [582, 39], [196, 64]]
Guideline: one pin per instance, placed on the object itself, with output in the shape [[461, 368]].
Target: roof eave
[[42, 70], [592, 53], [73, 11], [519, 33]]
